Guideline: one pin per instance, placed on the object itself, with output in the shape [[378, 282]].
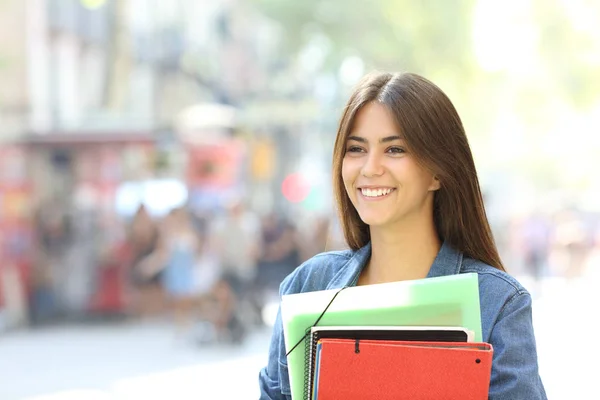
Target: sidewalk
[[127, 361]]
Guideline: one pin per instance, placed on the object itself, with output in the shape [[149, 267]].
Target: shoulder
[[500, 295], [316, 272], [493, 277]]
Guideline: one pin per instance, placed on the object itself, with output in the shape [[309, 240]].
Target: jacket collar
[[447, 262]]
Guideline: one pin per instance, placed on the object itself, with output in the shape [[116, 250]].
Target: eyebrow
[[386, 139]]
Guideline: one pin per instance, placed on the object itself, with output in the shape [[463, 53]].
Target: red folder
[[374, 369]]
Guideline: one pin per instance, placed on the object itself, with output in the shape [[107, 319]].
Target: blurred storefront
[[75, 179], [59, 222], [66, 200]]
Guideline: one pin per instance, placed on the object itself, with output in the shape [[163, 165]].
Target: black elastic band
[[316, 322]]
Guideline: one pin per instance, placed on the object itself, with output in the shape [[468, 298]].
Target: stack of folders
[[416, 363], [414, 340]]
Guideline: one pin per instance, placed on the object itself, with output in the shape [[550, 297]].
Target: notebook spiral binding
[[309, 354]]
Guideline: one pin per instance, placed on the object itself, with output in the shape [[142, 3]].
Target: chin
[[372, 219]]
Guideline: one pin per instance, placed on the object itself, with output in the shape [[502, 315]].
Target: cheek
[[420, 178], [348, 176]]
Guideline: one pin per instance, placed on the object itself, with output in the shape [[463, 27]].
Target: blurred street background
[[164, 164]]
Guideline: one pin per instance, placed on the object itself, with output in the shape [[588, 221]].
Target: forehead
[[374, 120]]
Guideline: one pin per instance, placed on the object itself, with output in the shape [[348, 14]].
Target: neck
[[401, 253]]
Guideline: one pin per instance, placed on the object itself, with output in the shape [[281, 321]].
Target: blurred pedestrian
[[315, 239], [536, 242], [147, 294], [281, 252], [181, 246], [236, 241]]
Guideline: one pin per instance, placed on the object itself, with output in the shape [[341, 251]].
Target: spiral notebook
[[383, 333]]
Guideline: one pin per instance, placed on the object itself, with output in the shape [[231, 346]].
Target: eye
[[354, 149], [396, 150]]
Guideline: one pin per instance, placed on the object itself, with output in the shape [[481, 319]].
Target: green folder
[[443, 301]]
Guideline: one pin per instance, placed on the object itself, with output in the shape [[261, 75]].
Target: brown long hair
[[434, 133]]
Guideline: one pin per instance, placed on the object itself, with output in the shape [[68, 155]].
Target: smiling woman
[[411, 207], [412, 122]]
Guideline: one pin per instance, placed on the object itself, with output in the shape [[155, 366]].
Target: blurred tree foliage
[[430, 36], [434, 37], [569, 46]]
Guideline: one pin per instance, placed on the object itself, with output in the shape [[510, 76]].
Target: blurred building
[[78, 68], [14, 111], [14, 97]]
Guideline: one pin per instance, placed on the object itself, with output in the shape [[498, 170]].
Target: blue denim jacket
[[505, 318]]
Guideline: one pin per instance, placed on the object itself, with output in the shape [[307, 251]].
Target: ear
[[435, 184]]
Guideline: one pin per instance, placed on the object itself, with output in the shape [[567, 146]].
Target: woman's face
[[384, 181]]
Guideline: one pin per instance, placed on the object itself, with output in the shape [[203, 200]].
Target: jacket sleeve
[[273, 379], [515, 368], [269, 379]]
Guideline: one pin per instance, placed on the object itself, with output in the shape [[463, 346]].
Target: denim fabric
[[505, 317]]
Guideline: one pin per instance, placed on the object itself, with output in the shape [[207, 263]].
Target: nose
[[373, 166]]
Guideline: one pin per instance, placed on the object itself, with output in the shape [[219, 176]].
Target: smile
[[375, 193]]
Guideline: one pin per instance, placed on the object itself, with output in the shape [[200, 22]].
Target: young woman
[[411, 207]]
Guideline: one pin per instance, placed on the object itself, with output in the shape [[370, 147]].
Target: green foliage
[[569, 46], [423, 36]]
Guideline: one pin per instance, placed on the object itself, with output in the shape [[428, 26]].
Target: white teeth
[[375, 192]]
